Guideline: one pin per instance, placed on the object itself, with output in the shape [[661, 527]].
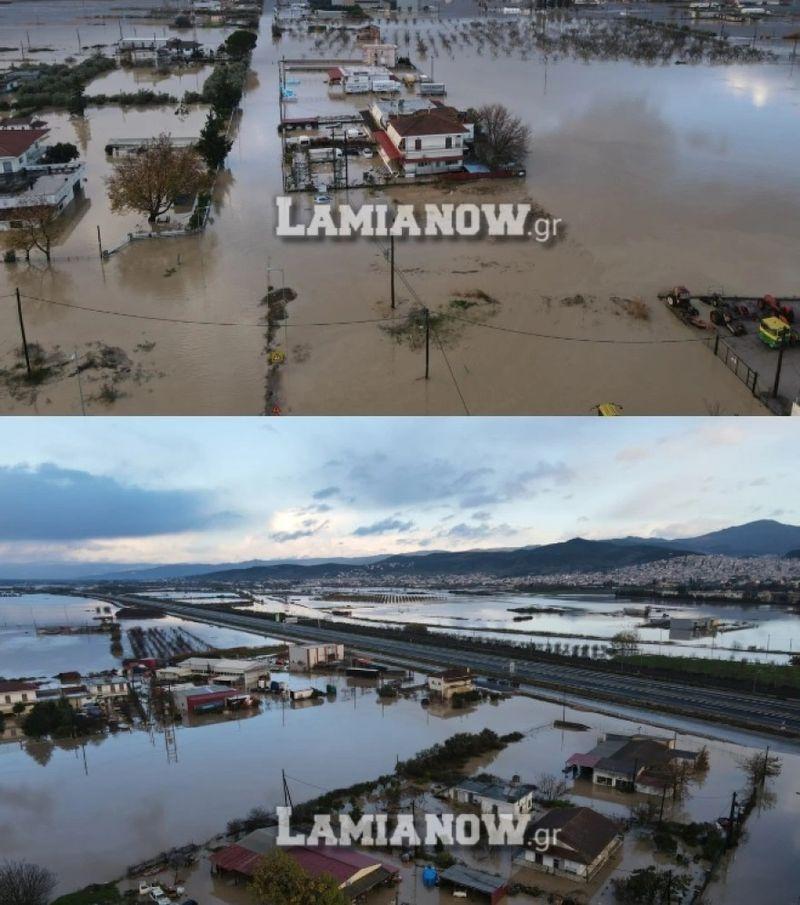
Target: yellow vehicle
[[608, 409], [774, 332]]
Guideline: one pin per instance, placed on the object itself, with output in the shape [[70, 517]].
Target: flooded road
[[662, 174]]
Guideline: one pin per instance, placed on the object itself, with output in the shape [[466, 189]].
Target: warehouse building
[[242, 673], [312, 656]]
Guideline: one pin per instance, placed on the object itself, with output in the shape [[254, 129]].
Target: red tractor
[[770, 304]]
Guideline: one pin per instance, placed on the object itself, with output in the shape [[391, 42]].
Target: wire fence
[[734, 362]]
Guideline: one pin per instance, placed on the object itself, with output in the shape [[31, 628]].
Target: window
[[25, 697], [8, 699], [417, 144], [448, 142]]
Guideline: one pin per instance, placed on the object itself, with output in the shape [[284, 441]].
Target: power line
[[450, 369], [574, 339], [176, 320]]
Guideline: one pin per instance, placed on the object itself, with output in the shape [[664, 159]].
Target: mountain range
[[757, 538]]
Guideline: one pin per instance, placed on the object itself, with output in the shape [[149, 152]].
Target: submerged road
[[750, 711]]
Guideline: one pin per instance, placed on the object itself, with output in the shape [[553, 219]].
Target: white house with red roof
[[26, 182], [423, 142], [12, 693], [20, 148]]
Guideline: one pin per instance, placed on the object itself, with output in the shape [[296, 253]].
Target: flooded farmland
[[662, 175]]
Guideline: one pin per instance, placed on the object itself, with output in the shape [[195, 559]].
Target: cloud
[[50, 503], [384, 526], [325, 493]]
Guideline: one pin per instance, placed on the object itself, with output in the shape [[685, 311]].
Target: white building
[[380, 54], [492, 795], [20, 149], [244, 673], [449, 682], [585, 842], [430, 141], [311, 656], [12, 693], [107, 688]]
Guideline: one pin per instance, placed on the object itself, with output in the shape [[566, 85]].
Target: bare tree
[[152, 181], [550, 787], [36, 228], [25, 884], [500, 137]]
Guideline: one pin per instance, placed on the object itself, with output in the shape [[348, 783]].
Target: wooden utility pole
[[99, 242], [391, 268], [729, 837], [24, 338], [778, 367], [427, 344]]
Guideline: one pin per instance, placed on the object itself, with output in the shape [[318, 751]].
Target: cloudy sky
[[197, 490]]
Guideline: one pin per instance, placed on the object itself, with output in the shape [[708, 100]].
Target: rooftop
[[427, 122], [14, 142], [581, 829], [16, 686], [496, 788]]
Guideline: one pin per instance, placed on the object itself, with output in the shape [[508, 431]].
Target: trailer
[[301, 694]]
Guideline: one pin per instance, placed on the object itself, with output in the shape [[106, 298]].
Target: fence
[[732, 360]]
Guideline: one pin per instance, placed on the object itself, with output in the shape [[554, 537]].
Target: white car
[[367, 152], [322, 199], [158, 895]]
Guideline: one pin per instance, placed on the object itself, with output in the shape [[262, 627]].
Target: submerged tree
[[279, 880], [22, 883], [500, 137], [35, 227], [151, 182], [214, 146]]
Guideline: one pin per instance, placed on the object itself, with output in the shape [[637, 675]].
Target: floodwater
[[24, 653], [78, 792], [662, 174], [768, 632]]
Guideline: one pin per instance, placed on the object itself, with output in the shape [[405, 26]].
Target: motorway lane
[[749, 710]]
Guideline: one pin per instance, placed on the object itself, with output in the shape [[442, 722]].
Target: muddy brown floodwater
[[662, 175]]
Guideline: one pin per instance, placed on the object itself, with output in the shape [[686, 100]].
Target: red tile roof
[[386, 145], [340, 863], [427, 122], [14, 142], [16, 686], [236, 858]]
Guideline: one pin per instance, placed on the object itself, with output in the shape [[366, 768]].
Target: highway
[[750, 711]]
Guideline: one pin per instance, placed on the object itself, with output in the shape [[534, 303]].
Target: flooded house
[[425, 142], [13, 694], [632, 763], [457, 680], [356, 873], [380, 54], [26, 182], [582, 841], [493, 795]]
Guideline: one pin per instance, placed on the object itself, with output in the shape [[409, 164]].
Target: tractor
[[771, 305]]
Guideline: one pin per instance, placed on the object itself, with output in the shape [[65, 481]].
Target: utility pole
[[661, 809], [391, 268], [99, 242], [24, 338], [729, 836], [778, 367], [427, 344]]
